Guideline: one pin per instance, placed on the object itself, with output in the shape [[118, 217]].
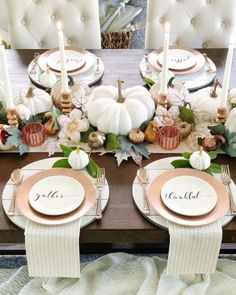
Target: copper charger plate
[[154, 196], [23, 205], [88, 56], [200, 60]]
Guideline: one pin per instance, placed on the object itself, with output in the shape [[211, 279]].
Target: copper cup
[[169, 137], [33, 134]]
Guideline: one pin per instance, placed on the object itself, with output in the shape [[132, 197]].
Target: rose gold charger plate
[[154, 197], [88, 57], [23, 205], [200, 60]]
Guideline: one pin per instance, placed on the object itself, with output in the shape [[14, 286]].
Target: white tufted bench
[[32, 23], [194, 23]]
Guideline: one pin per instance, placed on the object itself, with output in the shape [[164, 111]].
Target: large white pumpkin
[[230, 123], [37, 100], [116, 111]]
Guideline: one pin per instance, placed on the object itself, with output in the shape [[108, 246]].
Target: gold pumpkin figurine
[[151, 132]]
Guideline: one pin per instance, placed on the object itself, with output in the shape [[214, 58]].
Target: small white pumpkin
[[230, 123], [47, 78], [200, 160], [119, 112], [205, 102], [37, 100], [78, 159]]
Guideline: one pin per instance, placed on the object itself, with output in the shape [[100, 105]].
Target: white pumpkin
[[37, 100], [200, 160], [78, 159], [230, 123], [205, 103], [112, 110], [47, 78]]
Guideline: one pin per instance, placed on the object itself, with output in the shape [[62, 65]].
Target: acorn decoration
[[136, 136], [211, 143], [151, 132], [49, 124], [96, 139]]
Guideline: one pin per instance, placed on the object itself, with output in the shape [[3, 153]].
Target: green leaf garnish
[[144, 125], [186, 115], [215, 168], [148, 81], [181, 164], [62, 163], [186, 155], [92, 168], [218, 129], [66, 150], [212, 154]]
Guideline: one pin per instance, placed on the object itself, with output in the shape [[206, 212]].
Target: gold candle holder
[[12, 117], [66, 105], [162, 100], [221, 115]]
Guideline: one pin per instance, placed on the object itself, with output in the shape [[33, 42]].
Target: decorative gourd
[[151, 132], [76, 87], [136, 136], [48, 78], [205, 102], [96, 139], [78, 159], [37, 100], [49, 124], [119, 112], [200, 160], [230, 123]]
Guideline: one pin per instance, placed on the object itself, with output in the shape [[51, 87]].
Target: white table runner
[[53, 251]]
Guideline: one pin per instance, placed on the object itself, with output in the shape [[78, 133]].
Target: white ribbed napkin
[[193, 250], [53, 251]]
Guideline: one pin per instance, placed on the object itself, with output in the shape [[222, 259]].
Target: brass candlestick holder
[[221, 115], [66, 105], [162, 100], [12, 117]]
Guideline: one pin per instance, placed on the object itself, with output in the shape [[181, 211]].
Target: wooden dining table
[[122, 226]]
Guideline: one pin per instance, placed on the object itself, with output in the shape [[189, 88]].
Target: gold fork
[[100, 182], [226, 179]]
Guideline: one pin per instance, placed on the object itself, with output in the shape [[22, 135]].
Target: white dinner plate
[[178, 59], [188, 195], [74, 60], [56, 195]]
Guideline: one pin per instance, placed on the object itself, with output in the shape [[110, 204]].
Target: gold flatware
[[100, 182], [16, 178], [226, 179], [143, 177]]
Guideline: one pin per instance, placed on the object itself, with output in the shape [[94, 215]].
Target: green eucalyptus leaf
[[112, 142], [181, 164], [186, 115], [62, 163], [92, 168], [144, 125], [125, 144], [218, 129], [186, 155], [212, 154]]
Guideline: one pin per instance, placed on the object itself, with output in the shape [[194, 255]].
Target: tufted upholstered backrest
[[32, 23], [194, 23]]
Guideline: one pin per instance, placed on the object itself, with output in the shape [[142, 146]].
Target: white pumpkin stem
[[213, 89], [30, 92], [78, 150], [120, 97], [201, 150], [48, 70]]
